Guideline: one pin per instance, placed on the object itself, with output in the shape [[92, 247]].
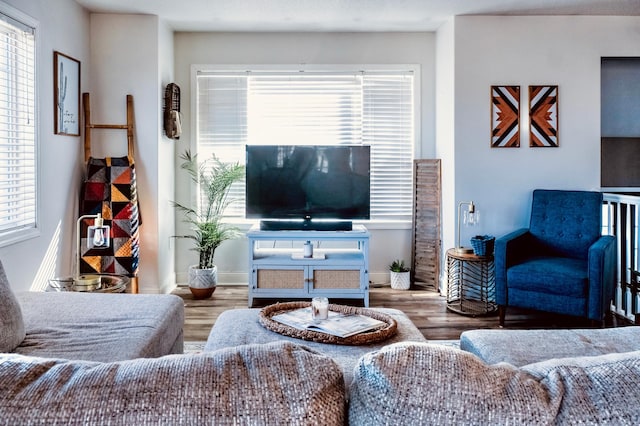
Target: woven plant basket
[[483, 245], [400, 280]]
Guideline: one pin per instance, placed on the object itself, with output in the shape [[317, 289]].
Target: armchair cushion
[[555, 275]]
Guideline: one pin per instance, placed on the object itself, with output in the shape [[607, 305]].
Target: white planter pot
[[202, 282], [400, 280]]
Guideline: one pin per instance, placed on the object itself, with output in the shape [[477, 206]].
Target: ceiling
[[344, 15]]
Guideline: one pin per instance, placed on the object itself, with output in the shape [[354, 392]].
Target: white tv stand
[[282, 273]]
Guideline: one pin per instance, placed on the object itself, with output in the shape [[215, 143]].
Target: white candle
[[323, 312], [319, 308]]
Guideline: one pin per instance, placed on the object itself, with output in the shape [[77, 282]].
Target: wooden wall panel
[[426, 243]]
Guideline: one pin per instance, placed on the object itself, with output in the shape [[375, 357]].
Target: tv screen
[[307, 182]]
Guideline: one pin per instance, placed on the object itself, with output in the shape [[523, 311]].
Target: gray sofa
[[280, 382], [64, 359], [522, 347], [101, 326], [89, 326]]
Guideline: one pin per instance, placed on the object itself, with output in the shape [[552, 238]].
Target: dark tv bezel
[[306, 220]]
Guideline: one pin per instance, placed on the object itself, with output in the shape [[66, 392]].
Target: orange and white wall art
[[543, 116], [505, 116]]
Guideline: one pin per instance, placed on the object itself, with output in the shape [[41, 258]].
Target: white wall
[[445, 131], [29, 264], [305, 48], [166, 171], [529, 51], [126, 60]]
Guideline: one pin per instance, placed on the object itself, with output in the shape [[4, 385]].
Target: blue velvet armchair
[[560, 263]]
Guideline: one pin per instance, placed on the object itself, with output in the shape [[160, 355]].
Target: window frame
[[346, 68], [14, 236]]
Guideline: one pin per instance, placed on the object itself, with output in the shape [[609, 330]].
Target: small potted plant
[[208, 229], [400, 275]]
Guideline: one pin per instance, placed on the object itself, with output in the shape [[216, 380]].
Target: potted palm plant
[[400, 275], [208, 230]]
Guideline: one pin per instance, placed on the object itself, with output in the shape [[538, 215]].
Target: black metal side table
[[471, 284]]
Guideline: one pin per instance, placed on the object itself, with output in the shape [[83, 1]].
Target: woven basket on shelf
[[483, 245]]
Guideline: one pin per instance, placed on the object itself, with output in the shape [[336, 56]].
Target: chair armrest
[[602, 276], [509, 250]]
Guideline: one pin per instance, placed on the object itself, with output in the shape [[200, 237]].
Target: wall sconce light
[[98, 237], [471, 217]]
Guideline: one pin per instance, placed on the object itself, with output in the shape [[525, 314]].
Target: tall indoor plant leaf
[[214, 179]]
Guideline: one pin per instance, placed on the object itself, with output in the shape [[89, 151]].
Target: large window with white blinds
[[18, 144], [375, 108]]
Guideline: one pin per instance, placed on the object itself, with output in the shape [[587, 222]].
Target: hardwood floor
[[426, 308]]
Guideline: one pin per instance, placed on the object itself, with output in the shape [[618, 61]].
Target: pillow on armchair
[[12, 331]]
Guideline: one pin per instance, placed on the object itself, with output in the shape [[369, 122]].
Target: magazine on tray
[[337, 324]]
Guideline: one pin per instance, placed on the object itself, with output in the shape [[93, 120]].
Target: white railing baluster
[[618, 306], [623, 211]]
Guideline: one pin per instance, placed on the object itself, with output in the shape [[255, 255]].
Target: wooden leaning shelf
[[110, 190]]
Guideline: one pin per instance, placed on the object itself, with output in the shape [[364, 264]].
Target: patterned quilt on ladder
[[110, 189]]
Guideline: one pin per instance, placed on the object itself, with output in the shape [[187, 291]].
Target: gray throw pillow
[[275, 383], [12, 331], [427, 384]]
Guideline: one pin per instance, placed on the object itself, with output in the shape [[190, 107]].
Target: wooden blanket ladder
[[129, 127], [88, 126]]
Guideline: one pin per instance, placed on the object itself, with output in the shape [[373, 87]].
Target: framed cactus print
[[66, 96], [505, 116], [543, 116]]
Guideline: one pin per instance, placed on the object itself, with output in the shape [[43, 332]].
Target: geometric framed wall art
[[505, 116], [543, 116]]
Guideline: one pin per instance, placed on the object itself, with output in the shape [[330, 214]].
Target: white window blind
[[315, 108], [18, 186]]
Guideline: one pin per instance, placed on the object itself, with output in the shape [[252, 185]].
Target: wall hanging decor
[[66, 96], [543, 116], [505, 116], [171, 111]]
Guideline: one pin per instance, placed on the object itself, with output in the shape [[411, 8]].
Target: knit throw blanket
[[110, 189], [278, 383], [420, 383]]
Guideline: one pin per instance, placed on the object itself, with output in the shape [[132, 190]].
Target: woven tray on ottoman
[[365, 338]]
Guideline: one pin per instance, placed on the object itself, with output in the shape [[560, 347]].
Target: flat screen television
[[307, 187]]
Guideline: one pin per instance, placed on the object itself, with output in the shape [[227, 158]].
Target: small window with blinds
[[374, 108], [18, 144]]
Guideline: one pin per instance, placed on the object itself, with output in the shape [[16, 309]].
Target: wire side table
[[471, 284]]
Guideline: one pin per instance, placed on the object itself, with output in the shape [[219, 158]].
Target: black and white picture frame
[[66, 96]]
